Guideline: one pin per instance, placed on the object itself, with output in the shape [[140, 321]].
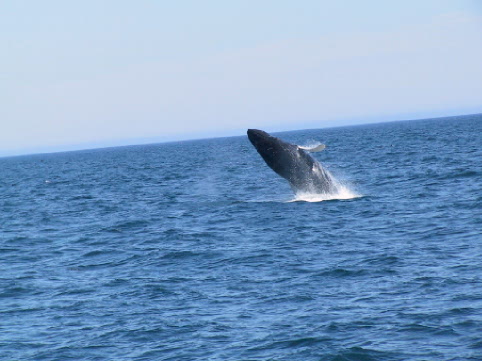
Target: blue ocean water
[[196, 250]]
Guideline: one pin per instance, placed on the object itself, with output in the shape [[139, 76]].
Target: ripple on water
[[198, 251]]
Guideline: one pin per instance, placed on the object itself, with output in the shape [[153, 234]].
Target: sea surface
[[197, 250]]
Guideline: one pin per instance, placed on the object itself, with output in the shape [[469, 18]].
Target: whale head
[[279, 155]]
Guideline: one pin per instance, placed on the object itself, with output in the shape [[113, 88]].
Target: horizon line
[[152, 140]]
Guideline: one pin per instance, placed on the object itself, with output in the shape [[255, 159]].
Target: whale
[[294, 163]]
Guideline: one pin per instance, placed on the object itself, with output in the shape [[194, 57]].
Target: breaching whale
[[292, 162]]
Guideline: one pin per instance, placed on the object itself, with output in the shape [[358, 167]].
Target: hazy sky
[[92, 73]]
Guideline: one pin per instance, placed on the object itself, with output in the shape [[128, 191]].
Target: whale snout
[[257, 136], [254, 133]]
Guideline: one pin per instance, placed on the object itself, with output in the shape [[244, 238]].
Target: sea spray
[[341, 191]]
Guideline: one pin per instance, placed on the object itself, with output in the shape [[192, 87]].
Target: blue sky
[[99, 73]]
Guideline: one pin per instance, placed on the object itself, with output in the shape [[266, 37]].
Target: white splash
[[343, 191]]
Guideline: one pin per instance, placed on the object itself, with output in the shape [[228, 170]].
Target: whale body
[[300, 169]]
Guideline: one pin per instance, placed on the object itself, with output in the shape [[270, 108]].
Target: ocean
[[197, 250]]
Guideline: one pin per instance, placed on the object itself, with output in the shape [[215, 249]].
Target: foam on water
[[341, 191], [344, 192]]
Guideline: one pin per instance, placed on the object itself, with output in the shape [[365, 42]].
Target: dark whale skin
[[300, 169]]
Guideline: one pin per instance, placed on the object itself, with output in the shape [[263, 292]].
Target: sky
[[84, 74]]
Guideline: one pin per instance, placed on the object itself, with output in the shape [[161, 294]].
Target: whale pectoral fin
[[318, 148]]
